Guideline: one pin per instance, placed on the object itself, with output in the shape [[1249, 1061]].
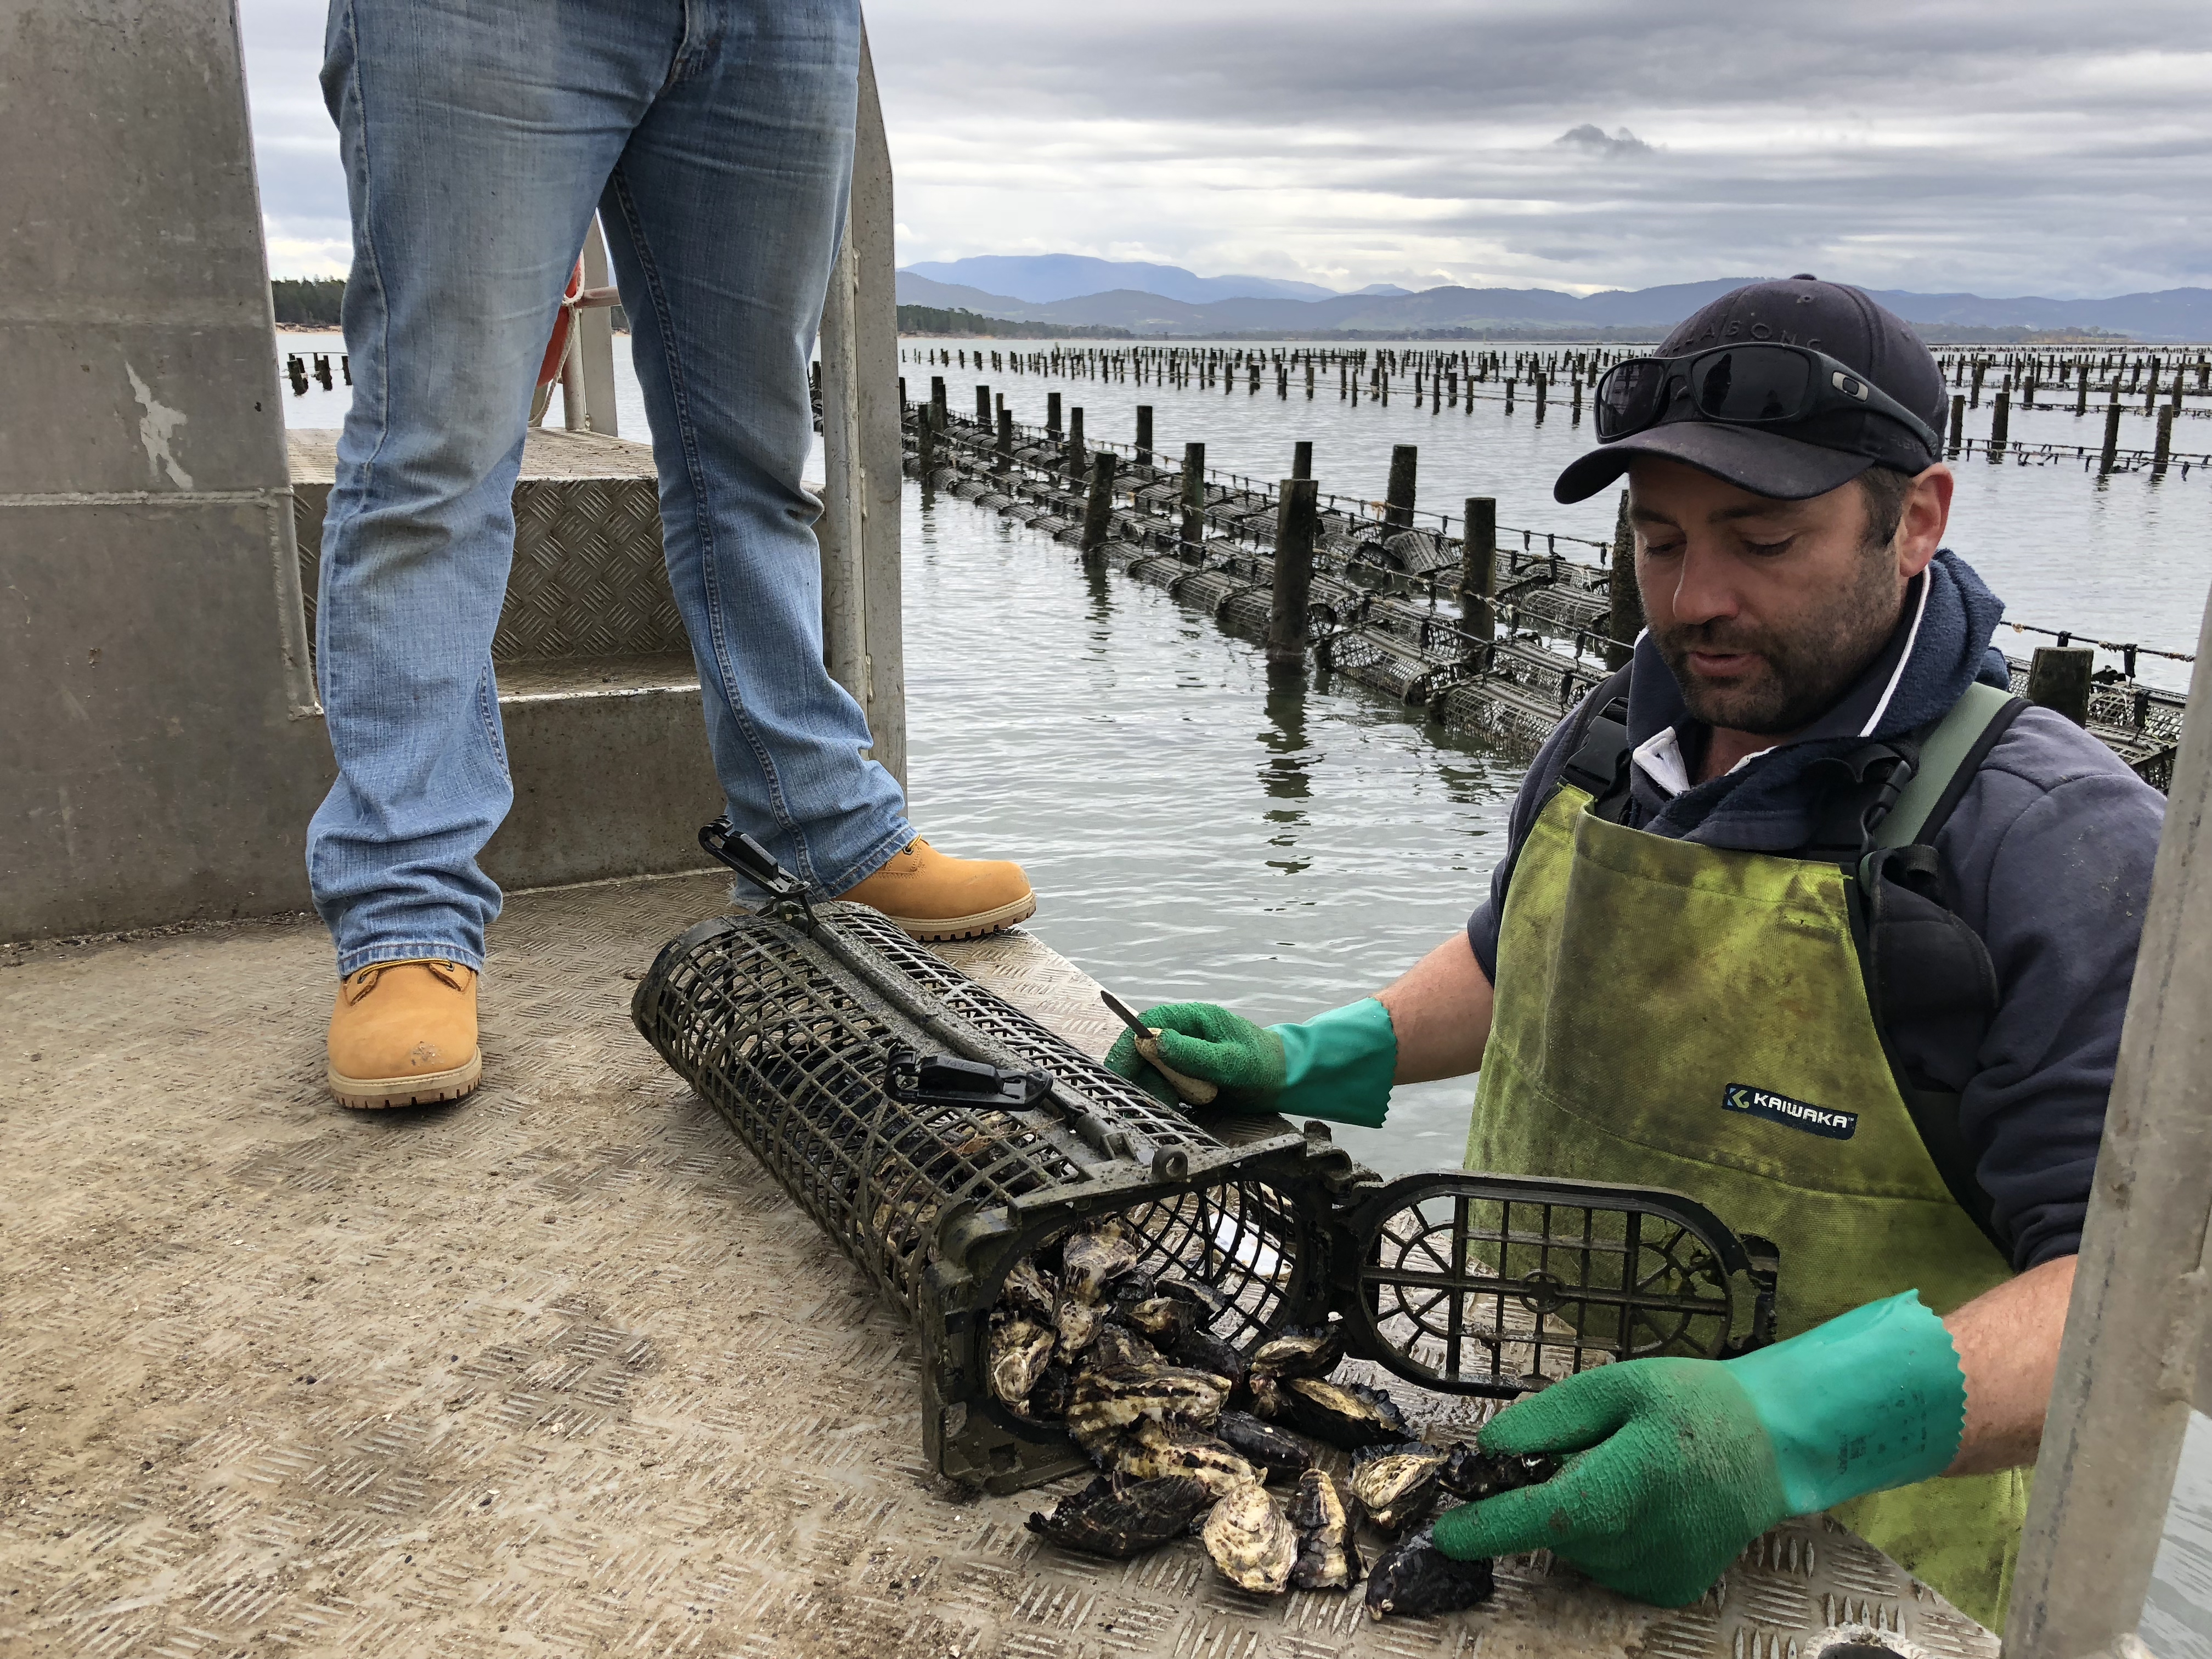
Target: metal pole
[[2126, 1365], [1298, 512], [861, 597], [595, 341]]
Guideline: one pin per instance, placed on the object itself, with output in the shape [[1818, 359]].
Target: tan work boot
[[932, 895], [404, 1034]]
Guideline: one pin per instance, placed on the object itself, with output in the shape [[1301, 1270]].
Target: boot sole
[[376, 1094], [974, 927]]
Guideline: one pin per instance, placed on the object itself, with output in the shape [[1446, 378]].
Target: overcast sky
[[2022, 147]]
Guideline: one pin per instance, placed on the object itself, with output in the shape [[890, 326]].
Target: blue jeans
[[715, 138]]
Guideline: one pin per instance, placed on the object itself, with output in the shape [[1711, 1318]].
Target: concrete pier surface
[[558, 1370]]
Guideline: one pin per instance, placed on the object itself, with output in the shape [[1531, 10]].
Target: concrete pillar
[[161, 752]]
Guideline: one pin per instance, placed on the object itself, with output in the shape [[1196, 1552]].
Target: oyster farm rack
[[940, 1135]]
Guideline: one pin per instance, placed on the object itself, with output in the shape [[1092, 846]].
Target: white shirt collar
[[1660, 758]]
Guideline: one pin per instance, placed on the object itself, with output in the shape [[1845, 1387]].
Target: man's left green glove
[[1336, 1064], [1680, 1463]]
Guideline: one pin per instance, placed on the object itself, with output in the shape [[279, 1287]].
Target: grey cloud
[[2057, 149], [1593, 139]]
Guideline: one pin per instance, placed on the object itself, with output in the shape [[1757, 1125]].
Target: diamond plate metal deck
[[558, 1370]]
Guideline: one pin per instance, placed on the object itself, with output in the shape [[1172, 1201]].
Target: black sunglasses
[[1755, 384]]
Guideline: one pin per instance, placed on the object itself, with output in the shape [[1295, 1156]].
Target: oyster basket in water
[[938, 1135]]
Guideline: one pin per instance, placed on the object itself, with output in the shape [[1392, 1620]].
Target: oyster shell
[[1078, 1322], [1104, 1401], [1156, 1450], [1396, 1486], [1475, 1474], [1017, 1353], [1263, 1445], [1347, 1414], [1093, 1258], [1163, 1318], [1251, 1543], [1312, 1352], [1117, 1348], [1101, 1520], [1327, 1559], [1415, 1578], [1031, 1287], [1203, 1351]]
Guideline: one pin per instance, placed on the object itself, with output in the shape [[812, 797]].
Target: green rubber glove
[[1680, 1463], [1336, 1064]]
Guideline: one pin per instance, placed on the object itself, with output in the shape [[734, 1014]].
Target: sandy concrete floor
[[557, 1370]]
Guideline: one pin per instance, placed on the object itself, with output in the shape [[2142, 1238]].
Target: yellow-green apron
[[1689, 1016]]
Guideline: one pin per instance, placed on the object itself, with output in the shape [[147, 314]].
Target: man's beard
[[1803, 669]]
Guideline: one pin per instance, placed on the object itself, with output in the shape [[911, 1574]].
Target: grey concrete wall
[[158, 756]]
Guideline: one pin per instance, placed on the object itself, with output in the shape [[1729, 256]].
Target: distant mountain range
[[1148, 298]]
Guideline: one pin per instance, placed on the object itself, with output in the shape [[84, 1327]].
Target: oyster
[[1031, 1287], [1262, 1444], [1396, 1486], [1055, 1388], [1207, 1303], [1102, 1520], [1078, 1322], [1155, 1450], [1347, 1414], [1203, 1351], [1017, 1353], [1250, 1540], [1475, 1474], [1163, 1318], [1313, 1352], [1093, 1258], [1416, 1579], [1117, 1348], [1327, 1559], [1107, 1400]]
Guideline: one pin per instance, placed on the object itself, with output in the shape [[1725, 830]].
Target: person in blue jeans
[[714, 138]]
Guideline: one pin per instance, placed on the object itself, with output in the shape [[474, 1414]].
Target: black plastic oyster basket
[[938, 1135]]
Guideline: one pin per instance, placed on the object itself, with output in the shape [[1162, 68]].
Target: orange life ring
[[564, 320]]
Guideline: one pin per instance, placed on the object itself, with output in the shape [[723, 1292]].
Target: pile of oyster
[[1188, 1432]]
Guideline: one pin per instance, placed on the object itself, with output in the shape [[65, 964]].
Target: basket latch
[[919, 1079]]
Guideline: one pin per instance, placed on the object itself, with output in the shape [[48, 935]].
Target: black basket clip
[[726, 844], [919, 1079]]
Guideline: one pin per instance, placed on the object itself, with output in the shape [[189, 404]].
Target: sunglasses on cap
[[1755, 384]]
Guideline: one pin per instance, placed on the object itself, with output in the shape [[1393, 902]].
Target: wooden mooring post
[[2109, 455], [1144, 434], [1398, 497], [1098, 510], [1194, 497], [1302, 459], [2058, 679], [1298, 512], [1958, 421], [983, 407], [1625, 599], [1075, 443], [2000, 425], [1478, 567]]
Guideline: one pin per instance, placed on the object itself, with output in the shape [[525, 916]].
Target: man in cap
[[1803, 914]]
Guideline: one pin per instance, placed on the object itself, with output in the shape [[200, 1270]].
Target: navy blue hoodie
[[2048, 855]]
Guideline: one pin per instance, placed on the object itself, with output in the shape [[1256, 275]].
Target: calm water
[[1193, 832]]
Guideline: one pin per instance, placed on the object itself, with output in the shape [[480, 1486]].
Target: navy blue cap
[[1806, 458]]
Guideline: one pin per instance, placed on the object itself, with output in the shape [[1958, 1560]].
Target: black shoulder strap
[[1916, 953], [1598, 764]]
